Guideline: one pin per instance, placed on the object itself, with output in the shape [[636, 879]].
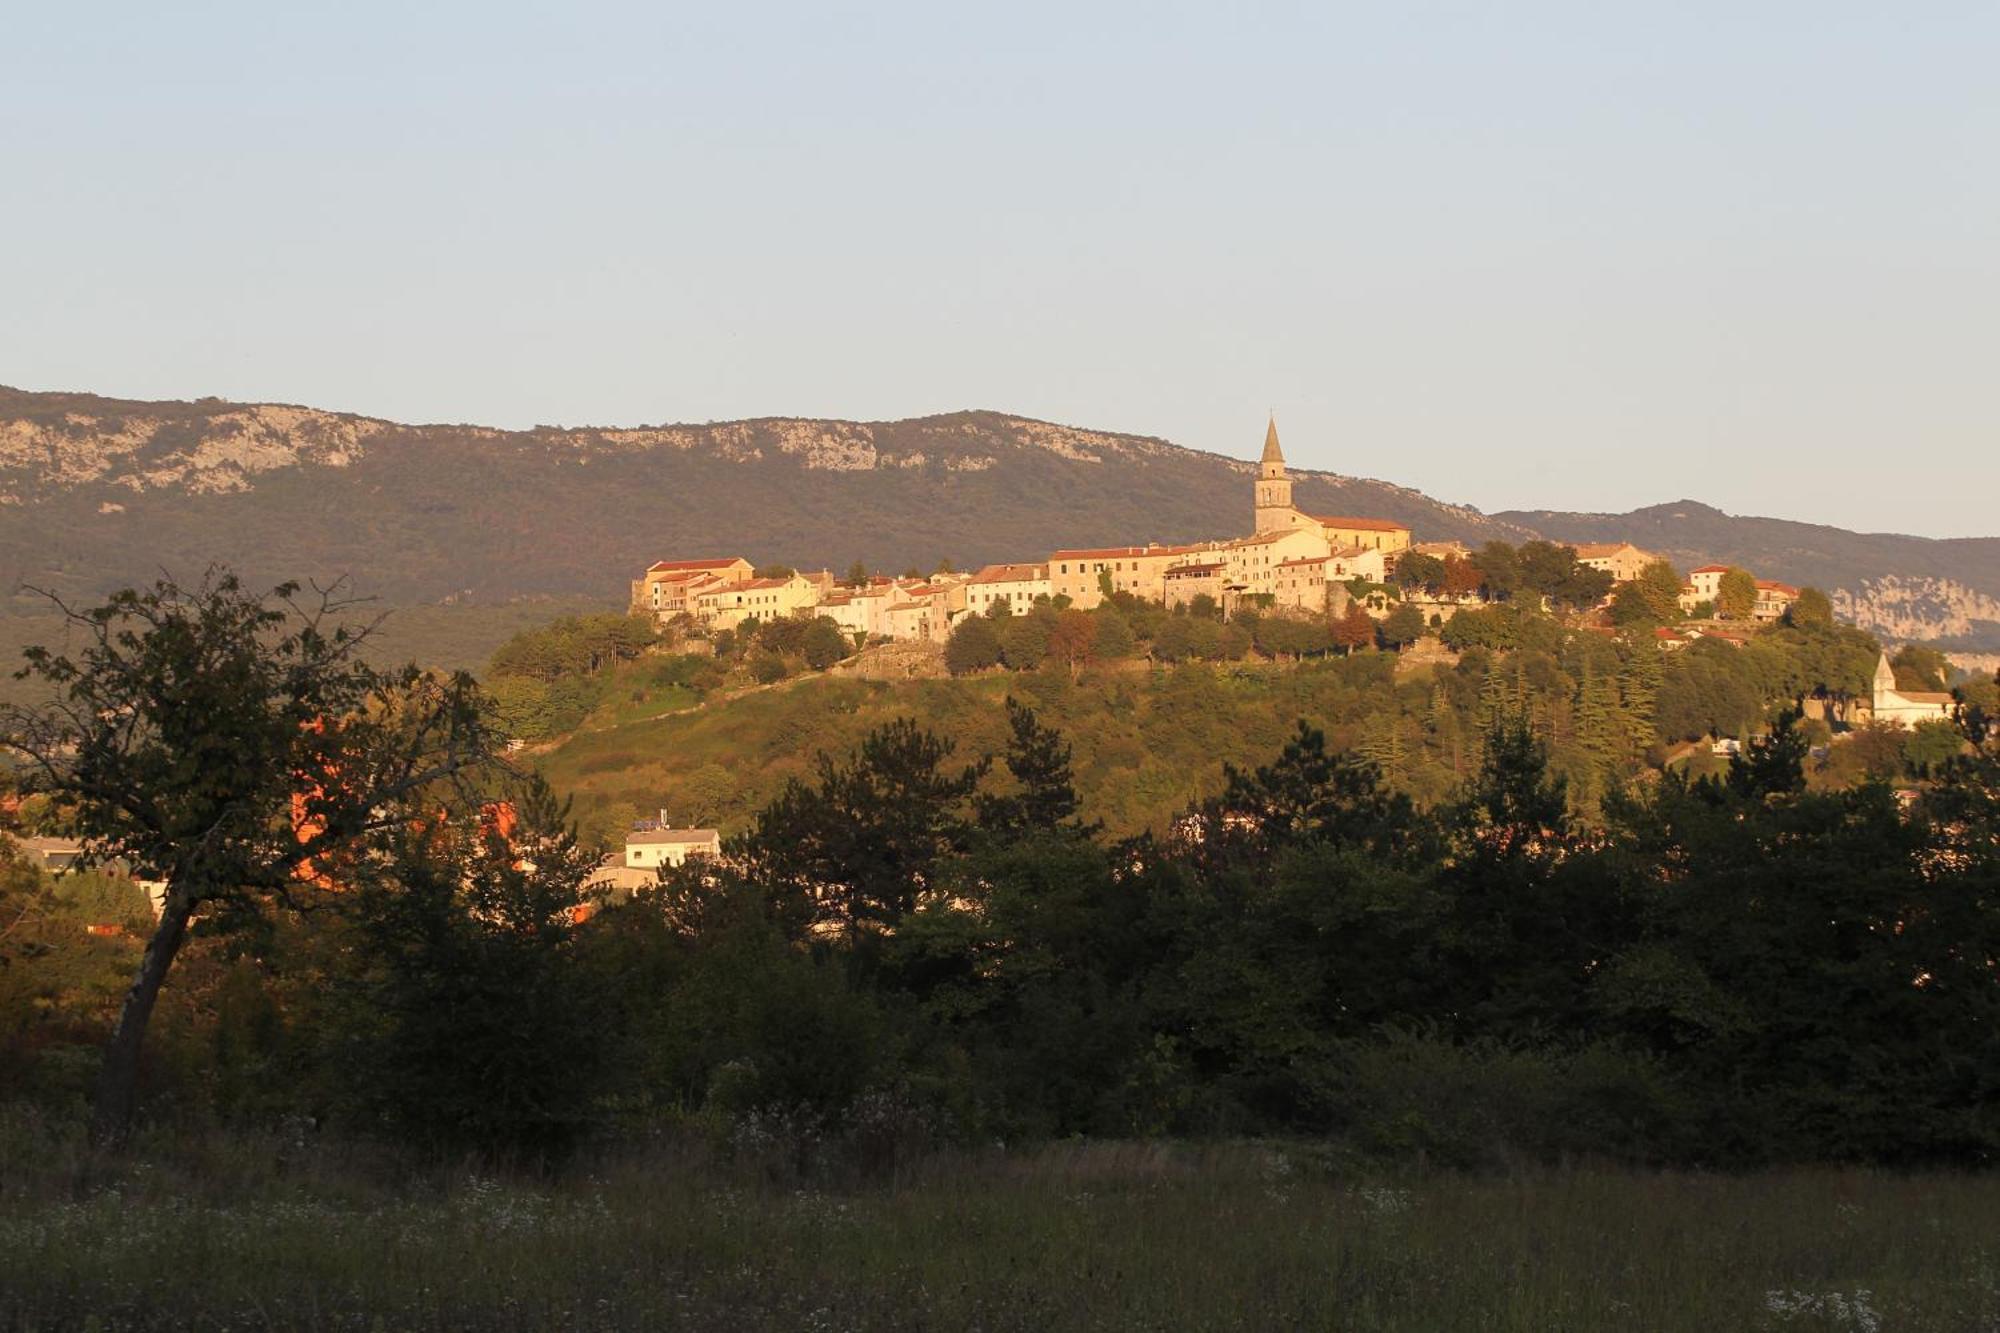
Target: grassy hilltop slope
[[1148, 741]]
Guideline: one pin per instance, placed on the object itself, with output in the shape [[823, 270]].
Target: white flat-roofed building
[[647, 849]]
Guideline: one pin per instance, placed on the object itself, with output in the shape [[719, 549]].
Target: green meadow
[[275, 1233]]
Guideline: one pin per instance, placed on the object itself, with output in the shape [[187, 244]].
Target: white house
[[1015, 586], [647, 849]]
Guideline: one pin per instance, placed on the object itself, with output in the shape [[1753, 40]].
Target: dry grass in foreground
[[263, 1234]]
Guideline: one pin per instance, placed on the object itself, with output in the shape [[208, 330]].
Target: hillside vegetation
[[1150, 738]]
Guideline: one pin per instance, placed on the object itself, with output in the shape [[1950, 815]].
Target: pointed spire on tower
[[1272, 453]]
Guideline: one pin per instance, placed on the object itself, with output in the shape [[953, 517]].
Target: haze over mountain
[[98, 492]]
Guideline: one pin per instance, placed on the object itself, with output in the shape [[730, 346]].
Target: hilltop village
[[1291, 562]]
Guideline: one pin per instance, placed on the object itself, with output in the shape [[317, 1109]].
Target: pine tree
[[1600, 732], [1382, 744], [1639, 679]]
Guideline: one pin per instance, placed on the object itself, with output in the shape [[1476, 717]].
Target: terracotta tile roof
[[1304, 560], [1182, 571], [1599, 550], [659, 565], [1361, 524], [1926, 697], [1011, 574], [1266, 538], [1711, 569], [1770, 585], [1127, 552]]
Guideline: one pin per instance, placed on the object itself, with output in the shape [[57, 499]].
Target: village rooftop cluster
[[1292, 562]]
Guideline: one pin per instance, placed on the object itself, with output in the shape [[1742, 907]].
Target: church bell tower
[[1274, 488]]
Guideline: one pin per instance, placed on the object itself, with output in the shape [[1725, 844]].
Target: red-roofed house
[[668, 587], [1773, 600], [1705, 584]]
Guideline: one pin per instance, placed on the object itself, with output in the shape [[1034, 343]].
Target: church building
[[1277, 513], [1906, 708]]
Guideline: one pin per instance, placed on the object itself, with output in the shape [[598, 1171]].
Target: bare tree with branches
[[233, 745]]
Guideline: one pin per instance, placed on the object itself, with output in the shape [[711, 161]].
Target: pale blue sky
[[1543, 255]]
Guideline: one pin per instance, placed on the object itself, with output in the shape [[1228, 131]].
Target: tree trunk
[[118, 1080]]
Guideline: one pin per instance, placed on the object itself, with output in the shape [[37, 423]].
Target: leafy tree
[[1073, 640], [573, 646], [471, 1025], [229, 743], [823, 644], [1462, 577], [1812, 610], [1403, 626], [1877, 749], [1024, 641], [1114, 637], [1735, 594], [857, 575], [767, 668], [522, 707], [1630, 606], [974, 645], [1544, 567], [1932, 745], [1579, 586], [1479, 627], [1417, 570], [1203, 607], [774, 571], [1355, 629], [1499, 570], [1658, 588], [1174, 641], [1282, 636], [1919, 668]]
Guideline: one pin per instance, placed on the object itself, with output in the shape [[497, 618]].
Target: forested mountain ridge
[[97, 492], [1898, 586]]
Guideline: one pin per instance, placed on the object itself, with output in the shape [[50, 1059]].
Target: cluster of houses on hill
[[1291, 560]]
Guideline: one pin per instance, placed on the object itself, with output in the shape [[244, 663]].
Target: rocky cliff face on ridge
[[98, 492], [1899, 587]]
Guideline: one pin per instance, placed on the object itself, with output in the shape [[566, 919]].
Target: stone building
[[1621, 560]]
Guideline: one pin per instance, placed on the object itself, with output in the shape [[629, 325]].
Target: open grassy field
[[266, 1234]]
